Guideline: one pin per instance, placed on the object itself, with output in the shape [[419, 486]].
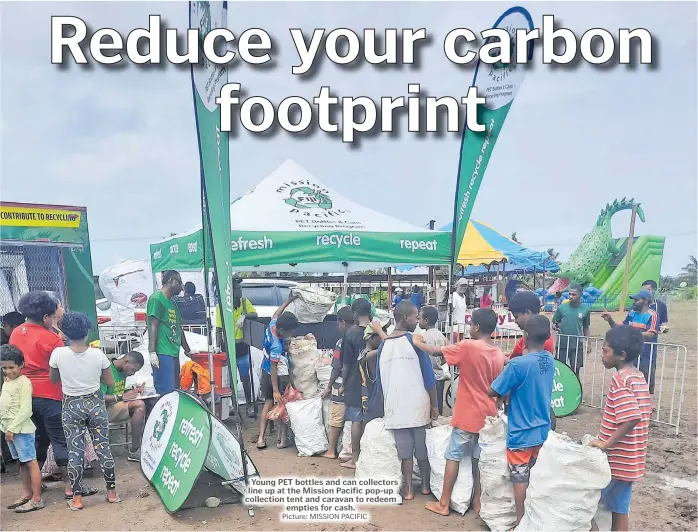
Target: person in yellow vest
[[242, 310]]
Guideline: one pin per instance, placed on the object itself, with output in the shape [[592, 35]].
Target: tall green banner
[[207, 80], [498, 84]]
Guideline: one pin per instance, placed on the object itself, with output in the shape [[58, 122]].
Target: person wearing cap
[[642, 317], [658, 306], [459, 304], [397, 298]]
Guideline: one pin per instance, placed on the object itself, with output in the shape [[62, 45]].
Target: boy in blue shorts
[[16, 424], [529, 381]]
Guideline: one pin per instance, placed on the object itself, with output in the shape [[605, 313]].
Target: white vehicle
[[267, 295]]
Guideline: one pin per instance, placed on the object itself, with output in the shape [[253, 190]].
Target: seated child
[[529, 381], [625, 424], [480, 363]]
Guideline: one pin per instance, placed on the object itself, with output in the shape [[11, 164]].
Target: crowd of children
[[399, 377], [54, 392]]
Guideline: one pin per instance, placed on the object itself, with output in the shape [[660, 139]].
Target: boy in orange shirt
[[479, 362]]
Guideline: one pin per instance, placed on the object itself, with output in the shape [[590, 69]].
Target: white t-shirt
[[459, 306], [80, 372]]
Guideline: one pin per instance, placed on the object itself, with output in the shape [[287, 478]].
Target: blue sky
[[122, 142]]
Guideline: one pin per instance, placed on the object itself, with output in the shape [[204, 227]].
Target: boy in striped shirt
[[625, 424]]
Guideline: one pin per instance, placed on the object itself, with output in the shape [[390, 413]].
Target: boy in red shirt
[[523, 305], [480, 362], [625, 424]]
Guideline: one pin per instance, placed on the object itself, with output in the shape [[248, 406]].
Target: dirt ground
[[658, 504]]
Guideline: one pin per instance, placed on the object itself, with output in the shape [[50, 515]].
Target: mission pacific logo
[[500, 70], [308, 199]]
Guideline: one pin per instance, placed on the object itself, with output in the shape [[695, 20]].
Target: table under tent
[[292, 222]]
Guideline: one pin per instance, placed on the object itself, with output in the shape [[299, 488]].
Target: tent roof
[[483, 246], [291, 221]]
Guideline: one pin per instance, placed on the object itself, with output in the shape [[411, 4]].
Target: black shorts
[[241, 349], [266, 387]]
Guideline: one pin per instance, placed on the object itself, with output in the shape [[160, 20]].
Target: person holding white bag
[[480, 362]]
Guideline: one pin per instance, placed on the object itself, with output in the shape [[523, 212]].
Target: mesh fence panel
[[26, 268]]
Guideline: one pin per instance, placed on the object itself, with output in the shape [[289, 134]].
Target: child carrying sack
[[565, 486], [378, 458], [497, 506], [307, 426], [437, 442]]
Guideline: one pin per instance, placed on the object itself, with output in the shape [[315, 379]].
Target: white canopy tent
[[292, 222]]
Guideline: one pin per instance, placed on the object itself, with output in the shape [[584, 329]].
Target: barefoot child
[[81, 369], [16, 424], [275, 367], [405, 382], [625, 423], [345, 319], [480, 363], [529, 380]]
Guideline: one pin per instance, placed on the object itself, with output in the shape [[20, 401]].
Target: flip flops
[[115, 501], [87, 492]]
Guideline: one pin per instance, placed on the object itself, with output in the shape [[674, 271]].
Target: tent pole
[[389, 302], [449, 320], [344, 284]]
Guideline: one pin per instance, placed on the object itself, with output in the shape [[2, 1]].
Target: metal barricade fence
[[119, 339], [665, 369]]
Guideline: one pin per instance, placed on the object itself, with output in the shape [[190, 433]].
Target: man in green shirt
[[165, 335], [122, 405], [571, 321]]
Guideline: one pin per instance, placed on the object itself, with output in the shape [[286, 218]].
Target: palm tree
[[691, 271], [692, 267]]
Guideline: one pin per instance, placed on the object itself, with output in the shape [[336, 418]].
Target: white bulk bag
[[497, 506], [307, 426], [565, 486], [437, 442], [303, 355], [378, 457], [441, 420], [313, 303]]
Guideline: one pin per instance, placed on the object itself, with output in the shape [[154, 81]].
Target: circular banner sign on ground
[[176, 439], [567, 390]]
